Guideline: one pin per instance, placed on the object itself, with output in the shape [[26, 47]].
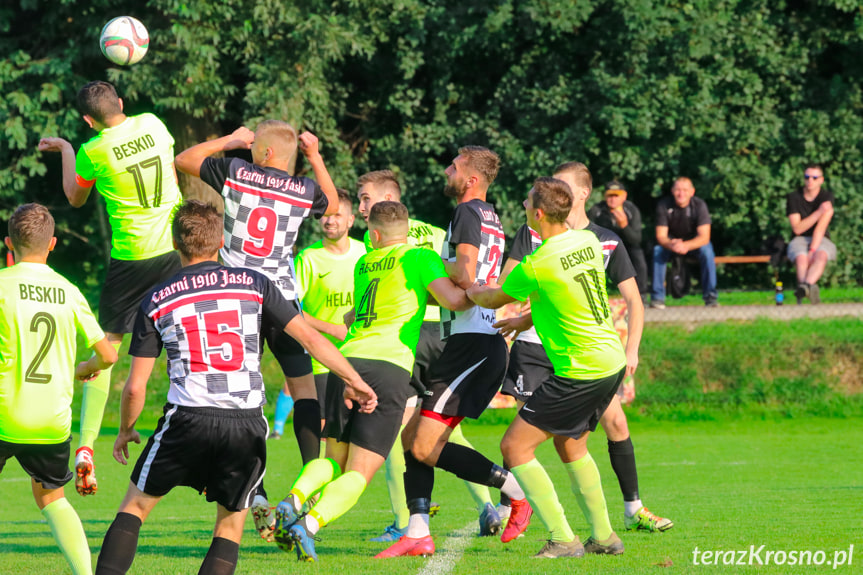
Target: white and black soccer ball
[[124, 40]]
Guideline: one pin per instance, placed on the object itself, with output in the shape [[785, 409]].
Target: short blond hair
[[31, 228], [281, 136], [383, 181], [481, 160], [580, 173]]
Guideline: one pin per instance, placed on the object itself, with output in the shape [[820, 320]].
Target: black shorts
[[47, 463], [375, 431], [528, 367], [221, 450], [569, 407], [321, 388], [429, 349], [293, 358], [466, 376], [127, 283]]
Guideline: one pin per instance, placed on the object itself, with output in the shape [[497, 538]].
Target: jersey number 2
[[46, 319], [211, 341]]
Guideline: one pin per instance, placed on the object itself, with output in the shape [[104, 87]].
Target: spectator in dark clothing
[[683, 227], [621, 216], [809, 210]]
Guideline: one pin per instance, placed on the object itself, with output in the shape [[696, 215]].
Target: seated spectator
[[809, 210], [623, 217], [683, 227]]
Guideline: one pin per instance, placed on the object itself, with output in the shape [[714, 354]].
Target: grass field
[[786, 484]]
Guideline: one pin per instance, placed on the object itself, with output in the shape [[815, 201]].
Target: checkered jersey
[[208, 319], [475, 223], [615, 258], [264, 208]]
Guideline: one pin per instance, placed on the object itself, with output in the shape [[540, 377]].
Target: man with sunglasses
[[809, 210]]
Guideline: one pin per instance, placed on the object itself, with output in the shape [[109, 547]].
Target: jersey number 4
[[41, 319], [207, 346], [366, 308]]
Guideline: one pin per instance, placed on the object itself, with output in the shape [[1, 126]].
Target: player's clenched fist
[[308, 143]]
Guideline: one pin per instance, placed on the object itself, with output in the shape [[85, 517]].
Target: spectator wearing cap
[[621, 216], [809, 210], [683, 227]]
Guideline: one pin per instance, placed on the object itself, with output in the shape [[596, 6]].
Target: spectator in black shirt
[[683, 227], [623, 217], [809, 210]]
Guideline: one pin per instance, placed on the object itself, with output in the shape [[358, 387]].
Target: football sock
[[419, 480], [284, 405], [337, 498], [540, 492], [622, 455], [630, 508], [93, 405], [307, 428], [119, 546], [69, 534], [479, 492], [314, 475], [395, 470], [471, 465], [418, 524], [587, 487], [505, 501], [261, 491], [221, 558]]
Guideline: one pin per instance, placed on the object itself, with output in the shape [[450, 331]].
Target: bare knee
[[613, 421]]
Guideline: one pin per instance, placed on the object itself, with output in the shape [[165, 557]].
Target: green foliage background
[[738, 95]]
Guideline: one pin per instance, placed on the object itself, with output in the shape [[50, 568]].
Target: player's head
[[197, 231], [377, 186], [578, 177], [682, 190], [549, 199], [388, 223], [336, 226], [31, 232], [275, 143], [98, 103], [474, 167]]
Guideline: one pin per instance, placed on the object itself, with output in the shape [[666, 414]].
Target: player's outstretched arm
[[338, 331], [322, 350], [131, 405], [308, 144], [449, 295], [489, 296], [189, 161], [75, 193], [635, 322]]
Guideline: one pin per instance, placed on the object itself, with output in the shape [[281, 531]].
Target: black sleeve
[[522, 245], [702, 214], [632, 232], [146, 341], [828, 196], [466, 226], [662, 213], [792, 206], [277, 310], [320, 203], [593, 213], [620, 267], [214, 172]]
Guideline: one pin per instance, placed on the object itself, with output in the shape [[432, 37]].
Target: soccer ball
[[124, 40]]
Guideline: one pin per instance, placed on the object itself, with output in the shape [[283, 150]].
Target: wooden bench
[[765, 259]]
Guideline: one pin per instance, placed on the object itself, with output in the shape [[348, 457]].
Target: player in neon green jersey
[[325, 273], [41, 314], [391, 284], [131, 163], [382, 185], [565, 280]]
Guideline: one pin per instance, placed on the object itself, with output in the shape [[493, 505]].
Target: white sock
[[504, 510], [630, 508], [312, 524], [511, 488], [296, 503], [418, 526]]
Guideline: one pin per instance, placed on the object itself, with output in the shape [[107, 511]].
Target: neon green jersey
[[40, 315], [565, 280], [390, 295], [421, 235], [326, 285], [132, 166]]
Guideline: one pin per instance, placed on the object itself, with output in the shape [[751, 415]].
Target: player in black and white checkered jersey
[[213, 434]]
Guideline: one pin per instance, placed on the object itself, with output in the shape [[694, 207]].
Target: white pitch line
[[445, 559]]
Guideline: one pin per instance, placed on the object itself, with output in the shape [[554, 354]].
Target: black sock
[[419, 479], [504, 498], [622, 456], [307, 428], [261, 491], [221, 558], [119, 546], [470, 465]]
